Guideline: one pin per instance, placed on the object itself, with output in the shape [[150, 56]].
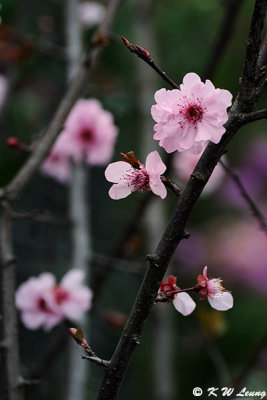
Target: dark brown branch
[[253, 116], [231, 12], [74, 91], [253, 207], [145, 56], [97, 360], [169, 184], [175, 230], [8, 326]]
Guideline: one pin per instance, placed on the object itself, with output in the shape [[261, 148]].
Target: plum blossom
[[44, 303], [184, 164], [57, 164], [188, 117], [128, 179], [89, 136], [91, 13], [181, 301], [218, 297]]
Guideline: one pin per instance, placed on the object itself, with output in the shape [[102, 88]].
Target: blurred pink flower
[[57, 164], [35, 300], [218, 297], [128, 179], [3, 90], [184, 164], [43, 303], [189, 117], [91, 13], [181, 301], [89, 133]]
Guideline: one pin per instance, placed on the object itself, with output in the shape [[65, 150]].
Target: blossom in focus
[[3, 90], [181, 301], [184, 164], [188, 117], [44, 303], [57, 164], [128, 179], [91, 13], [217, 296]]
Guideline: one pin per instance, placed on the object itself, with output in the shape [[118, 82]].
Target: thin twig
[[74, 91], [169, 184], [97, 360], [41, 216], [253, 116], [175, 230], [253, 207]]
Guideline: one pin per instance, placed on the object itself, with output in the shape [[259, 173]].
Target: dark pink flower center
[[55, 157], [87, 135], [194, 113], [42, 305], [60, 294], [140, 179]]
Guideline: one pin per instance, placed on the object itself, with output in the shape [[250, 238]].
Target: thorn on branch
[[186, 235], [97, 360]]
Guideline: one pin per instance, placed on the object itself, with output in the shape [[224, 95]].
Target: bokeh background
[[177, 353]]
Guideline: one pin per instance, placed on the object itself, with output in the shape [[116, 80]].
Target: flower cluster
[[212, 289], [44, 303], [88, 136]]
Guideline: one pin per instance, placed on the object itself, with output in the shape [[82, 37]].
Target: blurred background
[[207, 348]]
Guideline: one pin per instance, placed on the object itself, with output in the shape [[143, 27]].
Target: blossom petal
[[115, 171], [154, 164], [119, 191], [158, 187], [184, 303], [223, 302]]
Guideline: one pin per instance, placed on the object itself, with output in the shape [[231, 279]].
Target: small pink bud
[[78, 336], [125, 42], [13, 142], [131, 159]]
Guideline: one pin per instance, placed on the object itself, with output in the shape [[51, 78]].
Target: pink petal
[[73, 279], [119, 191], [184, 303], [154, 164], [223, 302], [115, 171], [158, 187], [205, 272], [190, 80]]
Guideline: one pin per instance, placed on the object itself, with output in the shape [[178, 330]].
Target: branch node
[[186, 235], [153, 259], [136, 338]]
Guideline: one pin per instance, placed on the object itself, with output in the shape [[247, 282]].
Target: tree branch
[[41, 216], [253, 207], [253, 116], [184, 207], [9, 334], [74, 91]]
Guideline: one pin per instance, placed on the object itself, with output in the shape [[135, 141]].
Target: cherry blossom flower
[[89, 133], [184, 164], [190, 116], [91, 13], [44, 304], [128, 179], [57, 164], [181, 301], [34, 298], [218, 297]]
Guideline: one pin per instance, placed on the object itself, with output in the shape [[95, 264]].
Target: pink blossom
[[218, 297], [57, 164], [181, 301], [43, 303], [89, 133], [190, 116], [91, 13], [184, 164], [3, 90], [35, 300], [128, 179]]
